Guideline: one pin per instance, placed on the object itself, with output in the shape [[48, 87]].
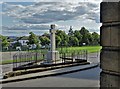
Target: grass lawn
[[90, 49], [18, 60]]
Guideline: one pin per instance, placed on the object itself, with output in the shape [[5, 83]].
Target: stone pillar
[[52, 55], [52, 38], [110, 42]]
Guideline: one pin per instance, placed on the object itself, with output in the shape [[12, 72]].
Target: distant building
[[12, 42], [23, 40], [33, 46]]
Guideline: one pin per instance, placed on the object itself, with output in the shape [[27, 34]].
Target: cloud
[[40, 15], [27, 27], [73, 1], [1, 2], [46, 12], [38, 29]]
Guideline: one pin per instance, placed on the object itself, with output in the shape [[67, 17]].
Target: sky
[[20, 18]]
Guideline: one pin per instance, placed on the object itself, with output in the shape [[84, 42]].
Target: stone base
[[51, 57], [108, 80]]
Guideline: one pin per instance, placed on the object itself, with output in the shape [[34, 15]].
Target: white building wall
[[23, 42]]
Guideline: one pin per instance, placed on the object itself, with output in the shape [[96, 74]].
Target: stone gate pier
[[110, 42]]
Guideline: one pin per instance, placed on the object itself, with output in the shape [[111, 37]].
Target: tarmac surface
[[86, 78]]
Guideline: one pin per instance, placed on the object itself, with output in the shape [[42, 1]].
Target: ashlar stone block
[[110, 36], [110, 60], [107, 80], [110, 12]]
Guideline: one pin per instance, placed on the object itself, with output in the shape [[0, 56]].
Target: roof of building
[[23, 38]]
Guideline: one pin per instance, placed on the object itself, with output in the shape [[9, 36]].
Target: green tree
[[84, 31], [33, 39], [73, 41], [74, 38], [64, 37], [85, 36], [78, 35], [96, 38], [47, 35], [71, 32], [90, 39], [58, 40], [44, 40], [17, 44], [4, 42]]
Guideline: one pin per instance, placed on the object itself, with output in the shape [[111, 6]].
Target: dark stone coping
[[110, 73], [110, 49], [111, 24]]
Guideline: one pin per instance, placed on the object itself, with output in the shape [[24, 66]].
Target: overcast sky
[[19, 18]]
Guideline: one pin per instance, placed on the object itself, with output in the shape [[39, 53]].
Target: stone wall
[[110, 42], [109, 80]]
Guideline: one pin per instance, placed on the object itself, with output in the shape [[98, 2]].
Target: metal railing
[[75, 55], [26, 59]]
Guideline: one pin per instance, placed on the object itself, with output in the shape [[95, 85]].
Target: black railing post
[[36, 58], [86, 55], [72, 56]]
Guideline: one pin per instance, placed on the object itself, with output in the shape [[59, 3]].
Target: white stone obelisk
[[52, 55]]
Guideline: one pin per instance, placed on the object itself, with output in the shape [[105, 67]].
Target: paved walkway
[[86, 78], [49, 73]]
